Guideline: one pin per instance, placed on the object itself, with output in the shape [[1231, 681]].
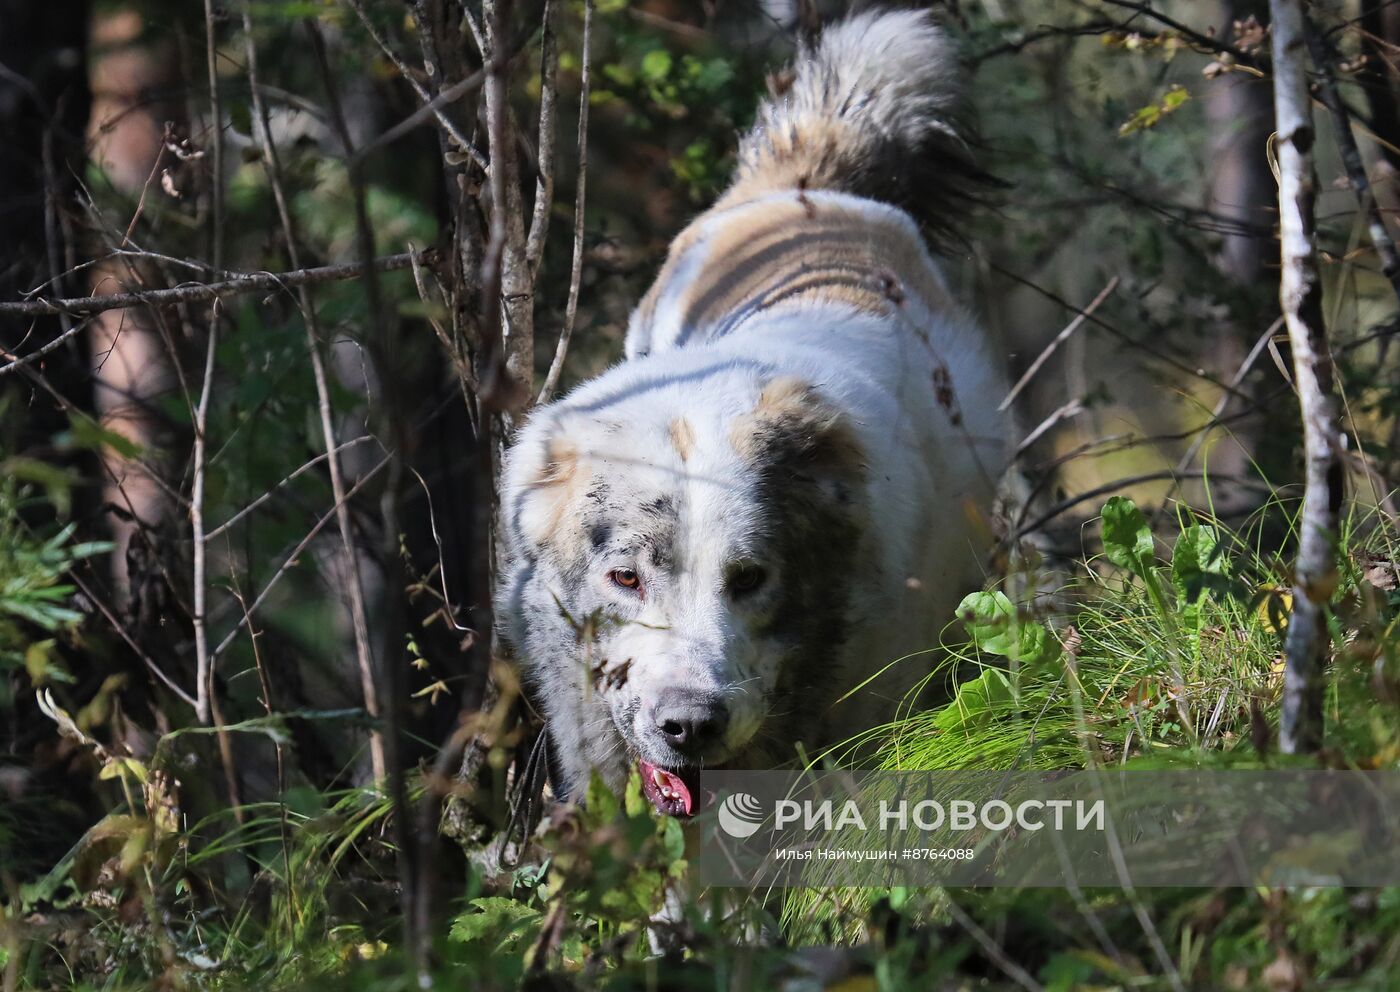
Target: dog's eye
[[625, 578], [746, 579]]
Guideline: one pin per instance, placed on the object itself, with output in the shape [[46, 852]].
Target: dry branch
[[1300, 291], [233, 284], [561, 351], [1322, 56]]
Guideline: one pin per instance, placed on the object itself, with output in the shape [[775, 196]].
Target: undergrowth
[[1154, 652]]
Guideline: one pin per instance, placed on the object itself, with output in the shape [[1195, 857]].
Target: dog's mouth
[[673, 793]]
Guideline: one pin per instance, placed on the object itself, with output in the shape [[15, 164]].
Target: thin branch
[[431, 105], [93, 597], [359, 618], [1123, 336], [1058, 340], [1190, 34], [450, 94], [1215, 415], [292, 558], [544, 184], [285, 482], [561, 350], [240, 283], [18, 362], [1071, 409], [1117, 485], [216, 139], [392, 688], [204, 675], [991, 948], [1322, 56]]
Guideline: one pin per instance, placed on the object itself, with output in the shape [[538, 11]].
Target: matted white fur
[[791, 466]]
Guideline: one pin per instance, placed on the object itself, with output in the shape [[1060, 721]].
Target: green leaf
[[1127, 540], [56, 482], [494, 919], [240, 118], [987, 616], [995, 627], [84, 432], [634, 800], [673, 838], [601, 802], [656, 65], [976, 701], [1152, 114], [1198, 563]]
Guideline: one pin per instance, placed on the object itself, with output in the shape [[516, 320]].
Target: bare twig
[[1117, 485], [991, 948], [286, 481], [1300, 291], [1322, 56], [359, 618], [1222, 404], [561, 350], [18, 362], [1071, 409], [1204, 41], [216, 140], [1058, 340], [544, 184], [239, 284], [296, 553], [96, 600], [433, 106], [1121, 335], [204, 676]]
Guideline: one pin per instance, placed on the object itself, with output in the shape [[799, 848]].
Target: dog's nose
[[690, 721]]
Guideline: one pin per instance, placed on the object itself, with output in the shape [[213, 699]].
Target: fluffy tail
[[872, 109]]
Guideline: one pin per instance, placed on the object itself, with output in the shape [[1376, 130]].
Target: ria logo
[[740, 815]]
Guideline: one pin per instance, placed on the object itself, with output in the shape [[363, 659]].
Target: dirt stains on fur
[[944, 395]]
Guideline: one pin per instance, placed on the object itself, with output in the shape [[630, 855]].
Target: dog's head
[[684, 574]]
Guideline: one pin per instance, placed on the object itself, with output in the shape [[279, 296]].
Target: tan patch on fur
[[682, 437], [556, 489], [793, 251], [791, 409]]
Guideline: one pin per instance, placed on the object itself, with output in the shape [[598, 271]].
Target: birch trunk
[[1300, 293]]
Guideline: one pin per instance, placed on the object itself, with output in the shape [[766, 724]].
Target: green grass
[[1153, 655]]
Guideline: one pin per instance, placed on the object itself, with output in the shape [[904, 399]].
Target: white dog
[[779, 492]]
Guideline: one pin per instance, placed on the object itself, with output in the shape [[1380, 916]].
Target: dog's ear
[[793, 429], [540, 487]]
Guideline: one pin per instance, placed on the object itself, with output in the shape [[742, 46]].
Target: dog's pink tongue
[[661, 779]]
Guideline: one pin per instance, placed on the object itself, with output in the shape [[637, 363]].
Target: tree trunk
[[1315, 572], [132, 365]]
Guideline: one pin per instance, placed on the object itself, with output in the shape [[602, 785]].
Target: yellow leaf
[[438, 688]]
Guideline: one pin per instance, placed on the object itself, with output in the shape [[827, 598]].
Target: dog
[[718, 551]]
